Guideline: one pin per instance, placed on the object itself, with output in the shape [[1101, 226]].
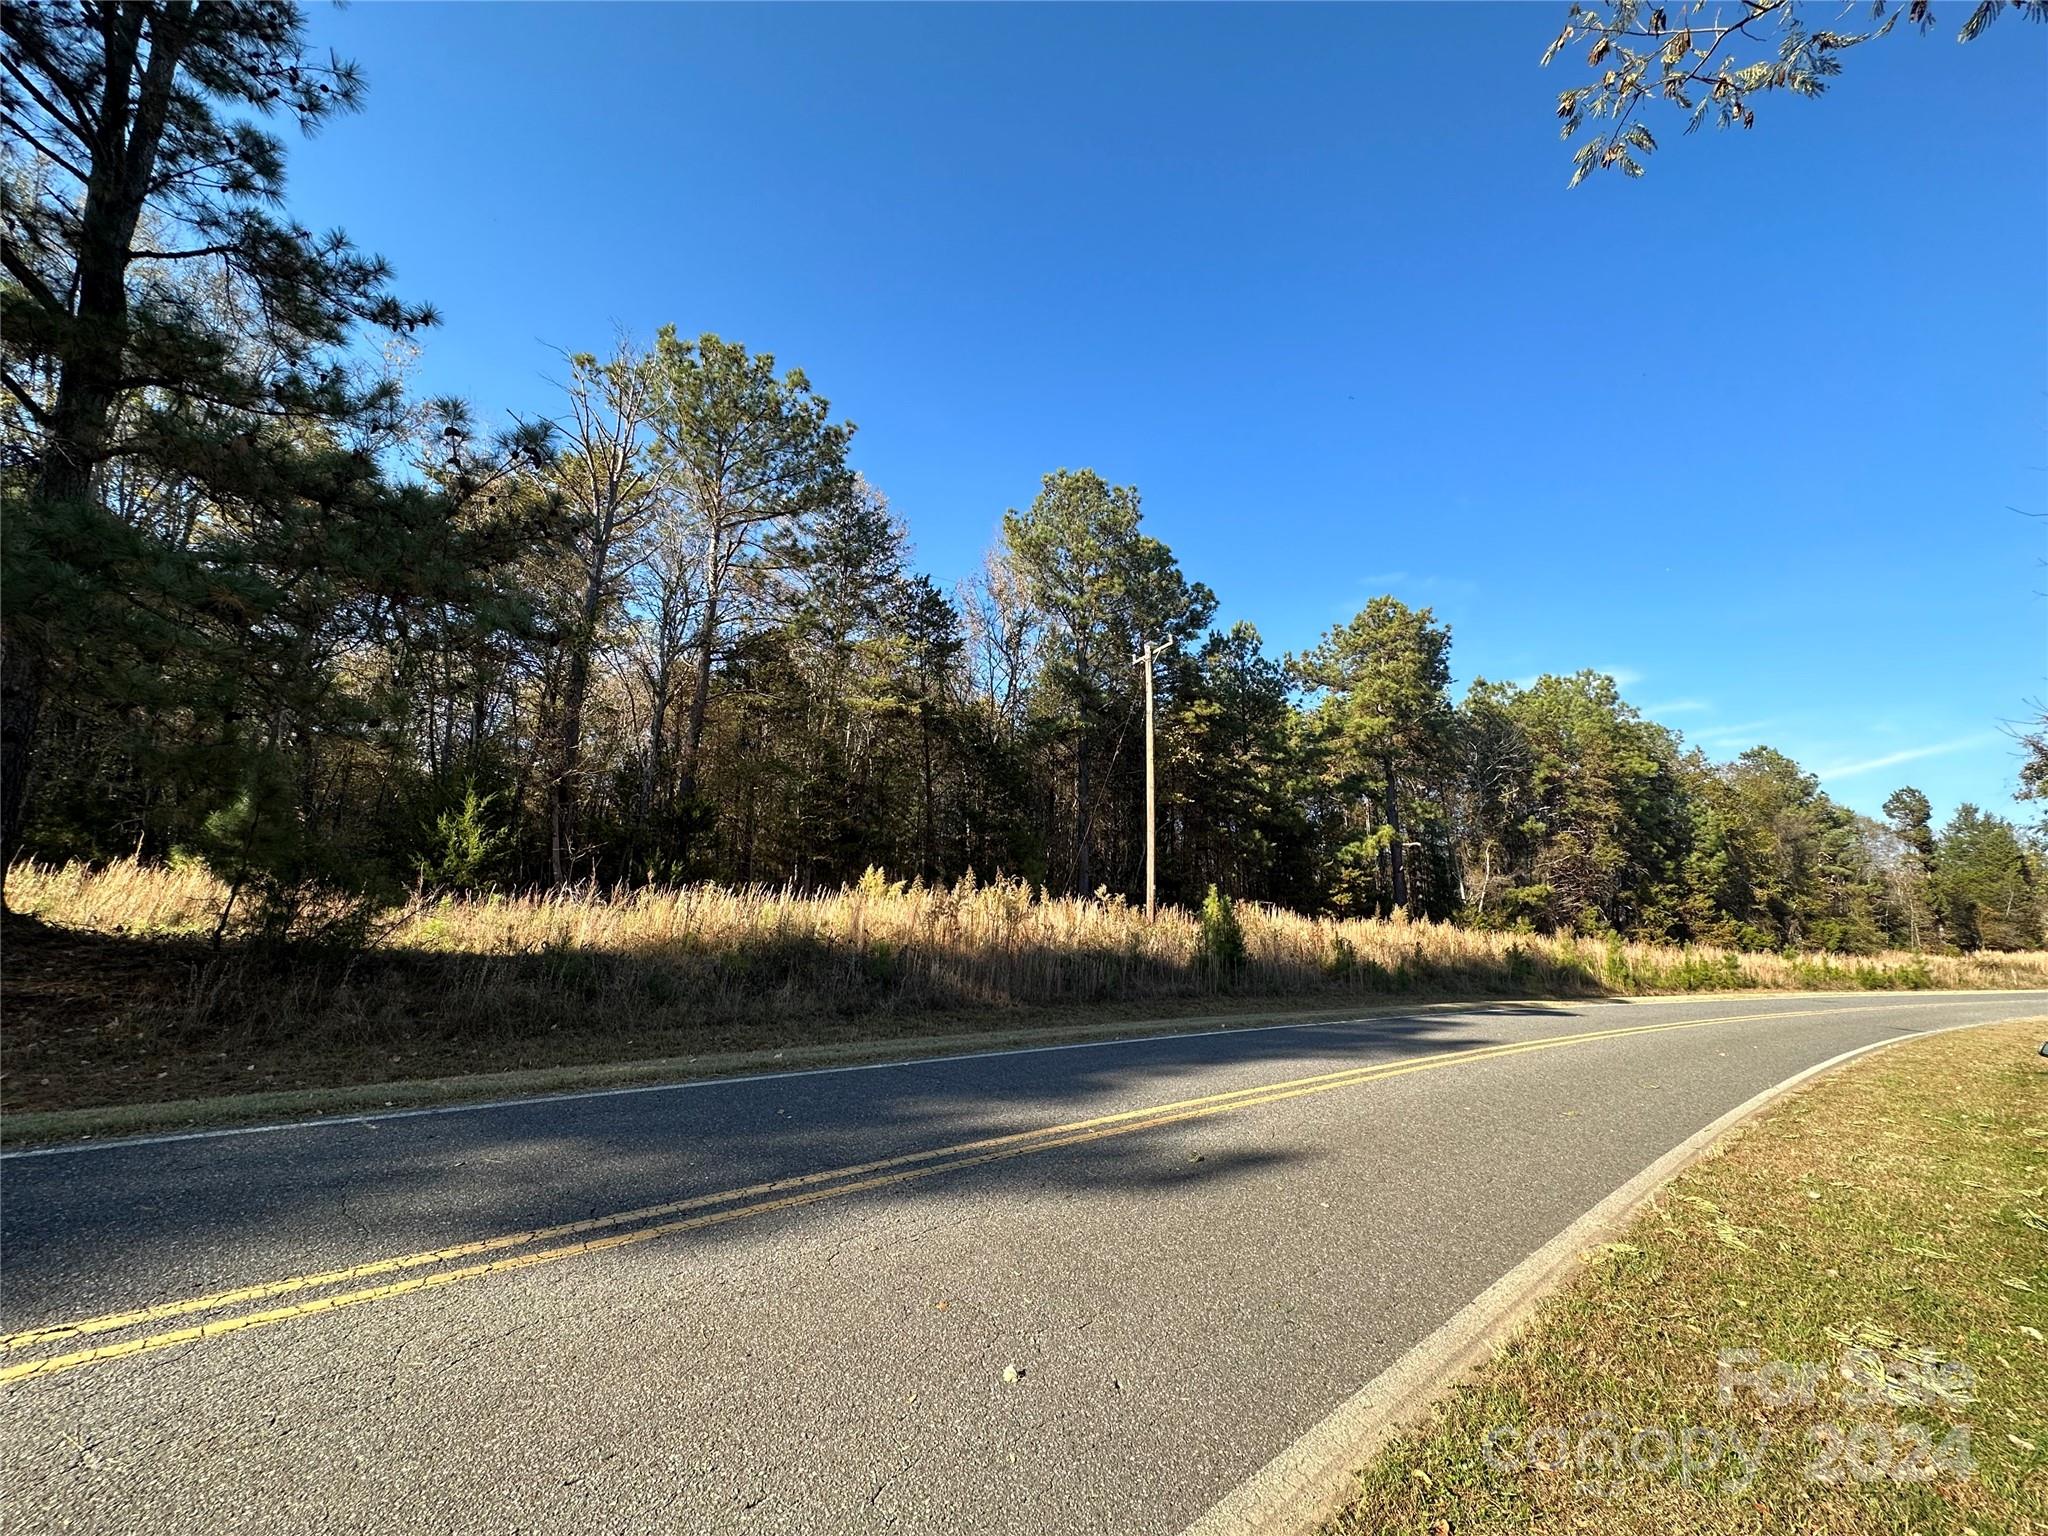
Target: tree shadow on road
[[135, 1225]]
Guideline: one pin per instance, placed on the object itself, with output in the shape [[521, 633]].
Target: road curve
[[792, 1303]]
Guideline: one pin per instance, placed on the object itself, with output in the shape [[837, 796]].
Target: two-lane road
[[788, 1303]]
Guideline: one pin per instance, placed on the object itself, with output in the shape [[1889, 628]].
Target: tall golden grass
[[882, 945]]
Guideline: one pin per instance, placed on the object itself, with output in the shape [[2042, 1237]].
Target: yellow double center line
[[671, 1218]]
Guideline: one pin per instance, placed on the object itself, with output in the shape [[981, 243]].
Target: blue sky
[[1745, 433]]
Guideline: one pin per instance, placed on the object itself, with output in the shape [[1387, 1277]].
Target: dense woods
[[266, 611]]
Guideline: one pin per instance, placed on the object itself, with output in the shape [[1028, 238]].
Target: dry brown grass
[[1003, 943], [1889, 1225], [117, 996]]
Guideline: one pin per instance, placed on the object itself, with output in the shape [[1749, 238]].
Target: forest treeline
[[265, 610]]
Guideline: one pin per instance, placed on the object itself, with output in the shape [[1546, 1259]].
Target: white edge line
[[313, 1122], [1309, 1481], [1453, 1010]]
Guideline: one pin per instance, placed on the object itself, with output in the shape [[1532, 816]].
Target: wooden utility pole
[[1151, 818]]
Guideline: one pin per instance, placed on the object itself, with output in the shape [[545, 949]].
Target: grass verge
[[114, 994], [1834, 1325]]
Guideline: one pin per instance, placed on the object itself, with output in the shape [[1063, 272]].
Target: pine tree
[[1599, 829], [1102, 587], [1910, 818], [117, 350], [1385, 710], [1230, 770], [1688, 55], [749, 453], [930, 680], [1988, 883], [849, 652]]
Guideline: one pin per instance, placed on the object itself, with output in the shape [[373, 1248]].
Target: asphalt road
[[1190, 1248]]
